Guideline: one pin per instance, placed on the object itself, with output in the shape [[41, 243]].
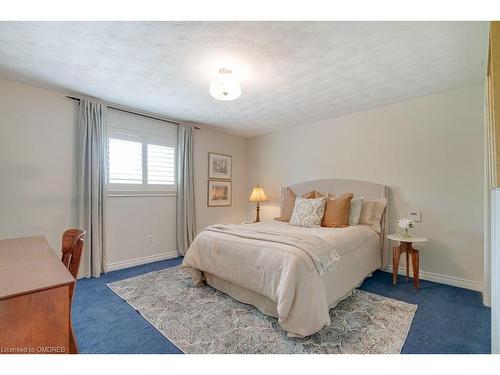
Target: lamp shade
[[258, 195]]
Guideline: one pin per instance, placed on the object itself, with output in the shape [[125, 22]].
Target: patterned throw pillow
[[289, 204], [308, 212]]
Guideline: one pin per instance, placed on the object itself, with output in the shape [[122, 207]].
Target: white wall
[[129, 222], [38, 190], [37, 175], [208, 140], [429, 150]]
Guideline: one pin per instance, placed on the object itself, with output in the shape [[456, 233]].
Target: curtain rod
[[135, 113]]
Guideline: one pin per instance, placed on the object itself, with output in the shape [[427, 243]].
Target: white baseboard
[[142, 260], [443, 279]]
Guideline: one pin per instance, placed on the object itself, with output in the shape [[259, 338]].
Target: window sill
[[118, 194]]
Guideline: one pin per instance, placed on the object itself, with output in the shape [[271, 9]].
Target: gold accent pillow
[[337, 211]]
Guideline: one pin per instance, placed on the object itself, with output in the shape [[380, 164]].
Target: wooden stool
[[405, 246]]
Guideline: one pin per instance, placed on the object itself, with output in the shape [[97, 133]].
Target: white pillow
[[308, 212], [371, 213], [355, 210]]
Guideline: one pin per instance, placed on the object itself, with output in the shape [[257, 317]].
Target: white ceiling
[[292, 72]]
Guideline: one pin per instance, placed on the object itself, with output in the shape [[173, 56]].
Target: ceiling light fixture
[[225, 86]]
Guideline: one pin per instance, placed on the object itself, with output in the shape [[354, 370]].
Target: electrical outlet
[[414, 215], [150, 238]]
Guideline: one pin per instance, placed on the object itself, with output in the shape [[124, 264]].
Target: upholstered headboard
[[369, 190]]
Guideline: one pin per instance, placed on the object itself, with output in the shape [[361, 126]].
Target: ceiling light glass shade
[[225, 86]]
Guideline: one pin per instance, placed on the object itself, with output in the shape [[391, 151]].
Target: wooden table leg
[[407, 266], [415, 265], [73, 346], [396, 253]]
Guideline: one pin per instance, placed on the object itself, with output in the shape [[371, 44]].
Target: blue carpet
[[448, 319]]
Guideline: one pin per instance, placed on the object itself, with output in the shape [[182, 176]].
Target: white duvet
[[284, 273]]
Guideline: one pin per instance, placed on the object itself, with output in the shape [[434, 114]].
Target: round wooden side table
[[405, 246]]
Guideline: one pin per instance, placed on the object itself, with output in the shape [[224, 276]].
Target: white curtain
[[91, 183], [186, 223]]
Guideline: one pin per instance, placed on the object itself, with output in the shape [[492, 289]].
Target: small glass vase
[[405, 233]]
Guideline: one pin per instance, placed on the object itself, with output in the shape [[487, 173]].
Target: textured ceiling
[[292, 72]]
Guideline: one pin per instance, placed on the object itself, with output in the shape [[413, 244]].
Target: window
[[161, 165], [125, 162], [141, 159]]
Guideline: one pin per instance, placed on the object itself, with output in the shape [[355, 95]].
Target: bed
[[283, 270]]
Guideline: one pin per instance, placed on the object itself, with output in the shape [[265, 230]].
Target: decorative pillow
[[355, 210], [308, 212], [371, 213], [337, 212], [309, 195], [289, 204], [317, 194]]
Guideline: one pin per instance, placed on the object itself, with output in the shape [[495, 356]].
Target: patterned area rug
[[204, 320]]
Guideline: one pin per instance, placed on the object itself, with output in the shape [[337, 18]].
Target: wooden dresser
[[34, 298]]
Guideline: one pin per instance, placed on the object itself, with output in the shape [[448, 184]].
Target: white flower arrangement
[[405, 225]]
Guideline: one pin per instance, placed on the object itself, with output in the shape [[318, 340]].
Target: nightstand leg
[[415, 265], [407, 266], [396, 253]]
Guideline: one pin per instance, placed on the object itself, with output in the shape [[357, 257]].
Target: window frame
[[144, 189]]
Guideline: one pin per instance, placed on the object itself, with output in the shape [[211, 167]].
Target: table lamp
[[258, 195]]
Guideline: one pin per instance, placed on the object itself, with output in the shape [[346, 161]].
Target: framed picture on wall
[[219, 166], [219, 193]]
